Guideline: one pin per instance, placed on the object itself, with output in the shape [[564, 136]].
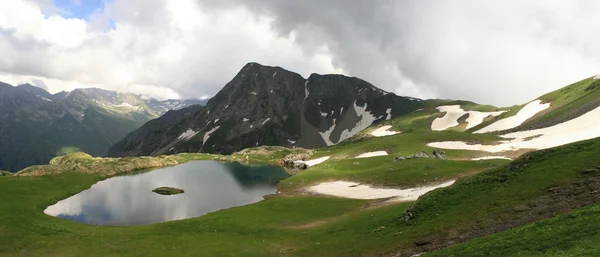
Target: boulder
[[408, 214], [399, 158], [437, 154], [292, 160], [300, 165], [440, 154], [421, 154]]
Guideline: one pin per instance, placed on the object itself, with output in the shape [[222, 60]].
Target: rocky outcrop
[[79, 162], [296, 160], [440, 154], [437, 154]]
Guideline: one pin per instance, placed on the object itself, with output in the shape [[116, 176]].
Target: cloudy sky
[[497, 52]]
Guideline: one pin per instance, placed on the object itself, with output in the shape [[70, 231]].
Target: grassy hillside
[[569, 234], [566, 103], [539, 185]]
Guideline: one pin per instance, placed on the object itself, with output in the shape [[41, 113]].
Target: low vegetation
[[499, 197], [542, 203], [168, 191]]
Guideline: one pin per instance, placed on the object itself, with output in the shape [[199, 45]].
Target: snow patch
[[226, 106], [389, 114], [384, 131], [324, 114], [454, 112], [314, 162], [597, 76], [207, 134], [581, 128], [254, 93], [125, 105], [491, 158], [44, 98], [291, 142], [189, 133], [245, 119], [372, 154], [263, 123], [365, 120], [354, 190], [216, 120], [524, 114], [274, 74], [305, 90]]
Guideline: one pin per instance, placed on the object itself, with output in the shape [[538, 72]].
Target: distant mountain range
[[265, 105], [36, 125]]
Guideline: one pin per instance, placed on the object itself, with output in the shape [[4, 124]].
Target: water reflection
[[209, 186]]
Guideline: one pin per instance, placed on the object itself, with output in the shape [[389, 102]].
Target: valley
[[393, 188], [36, 126], [299, 128]]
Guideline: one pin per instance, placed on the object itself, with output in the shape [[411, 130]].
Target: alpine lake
[[208, 186]]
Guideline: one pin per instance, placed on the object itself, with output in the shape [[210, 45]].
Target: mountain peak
[[266, 105]]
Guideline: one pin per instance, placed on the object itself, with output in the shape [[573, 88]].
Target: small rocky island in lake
[[168, 191]]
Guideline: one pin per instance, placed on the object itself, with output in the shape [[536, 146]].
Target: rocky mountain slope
[[265, 105], [36, 125]]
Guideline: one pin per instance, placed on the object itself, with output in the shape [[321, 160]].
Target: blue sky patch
[[81, 9]]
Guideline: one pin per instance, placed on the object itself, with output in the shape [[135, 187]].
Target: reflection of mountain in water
[[249, 176], [209, 186]]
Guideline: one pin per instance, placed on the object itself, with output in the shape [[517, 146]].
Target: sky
[[500, 52]]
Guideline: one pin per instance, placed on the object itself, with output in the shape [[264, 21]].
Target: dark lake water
[[209, 186]]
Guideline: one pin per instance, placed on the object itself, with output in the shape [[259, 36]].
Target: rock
[[291, 160], [408, 214], [588, 171], [440, 154], [300, 165], [437, 154], [2, 173], [168, 191], [421, 154]]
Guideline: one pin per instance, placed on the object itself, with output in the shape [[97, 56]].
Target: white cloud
[[497, 52], [160, 48]]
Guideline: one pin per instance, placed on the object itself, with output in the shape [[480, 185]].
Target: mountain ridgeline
[[265, 105], [36, 125]]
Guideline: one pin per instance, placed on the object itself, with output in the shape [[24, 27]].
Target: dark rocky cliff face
[[265, 105]]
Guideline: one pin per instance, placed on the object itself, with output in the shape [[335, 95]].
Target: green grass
[[566, 103], [406, 144], [298, 225], [383, 171], [571, 234]]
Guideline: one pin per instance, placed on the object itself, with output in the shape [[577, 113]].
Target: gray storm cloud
[[499, 52], [494, 52]]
